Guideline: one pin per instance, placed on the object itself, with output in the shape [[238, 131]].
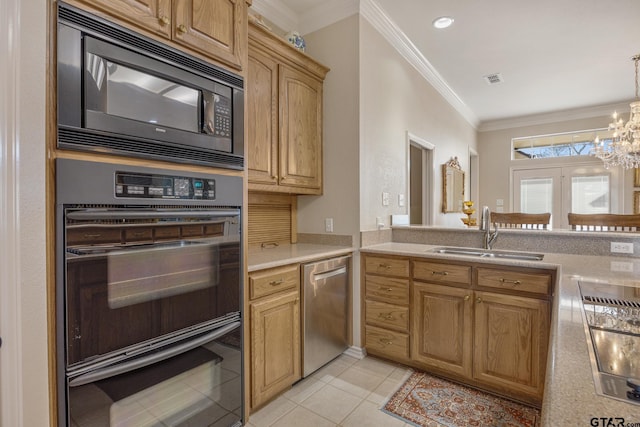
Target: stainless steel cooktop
[[612, 314]]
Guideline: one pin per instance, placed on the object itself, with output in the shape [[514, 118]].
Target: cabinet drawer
[[387, 266], [274, 280], [537, 283], [387, 289], [443, 273], [388, 343], [387, 315]]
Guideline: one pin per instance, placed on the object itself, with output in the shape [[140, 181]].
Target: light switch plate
[[385, 199], [400, 200]]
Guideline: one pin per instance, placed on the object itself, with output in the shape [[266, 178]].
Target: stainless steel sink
[[485, 253]]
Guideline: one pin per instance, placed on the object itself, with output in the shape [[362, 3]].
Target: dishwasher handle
[[330, 273]]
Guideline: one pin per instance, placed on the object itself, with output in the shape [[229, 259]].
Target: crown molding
[[555, 116], [277, 12], [335, 10], [380, 21]]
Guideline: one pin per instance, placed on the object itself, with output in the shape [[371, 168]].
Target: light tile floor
[[346, 392]]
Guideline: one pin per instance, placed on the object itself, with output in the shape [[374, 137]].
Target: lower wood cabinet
[[486, 325], [275, 332], [443, 328], [511, 341]]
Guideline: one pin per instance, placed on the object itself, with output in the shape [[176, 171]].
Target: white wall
[[336, 46], [394, 99], [495, 158], [24, 385]]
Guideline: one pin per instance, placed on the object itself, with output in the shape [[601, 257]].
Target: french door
[[560, 190]]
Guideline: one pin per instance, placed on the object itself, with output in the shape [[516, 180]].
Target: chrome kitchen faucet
[[485, 225]]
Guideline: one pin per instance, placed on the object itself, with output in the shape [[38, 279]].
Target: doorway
[[585, 189], [420, 173]]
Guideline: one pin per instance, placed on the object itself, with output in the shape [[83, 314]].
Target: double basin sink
[[488, 253]]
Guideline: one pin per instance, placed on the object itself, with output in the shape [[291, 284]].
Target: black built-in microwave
[[125, 94]]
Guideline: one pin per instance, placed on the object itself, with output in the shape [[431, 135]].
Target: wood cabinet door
[[151, 15], [300, 129], [512, 335], [262, 119], [275, 346], [442, 327], [215, 28]]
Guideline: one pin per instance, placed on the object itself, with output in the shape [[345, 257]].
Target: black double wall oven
[[148, 259]]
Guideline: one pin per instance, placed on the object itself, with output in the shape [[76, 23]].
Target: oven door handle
[[154, 214], [140, 362]]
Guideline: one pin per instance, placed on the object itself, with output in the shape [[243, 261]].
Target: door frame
[[428, 149], [11, 389]]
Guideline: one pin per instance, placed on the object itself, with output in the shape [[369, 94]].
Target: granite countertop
[[570, 398], [259, 258]]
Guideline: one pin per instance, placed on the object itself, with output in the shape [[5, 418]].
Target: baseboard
[[357, 352]]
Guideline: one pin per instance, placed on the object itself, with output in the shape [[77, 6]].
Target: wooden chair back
[[521, 220], [604, 222]]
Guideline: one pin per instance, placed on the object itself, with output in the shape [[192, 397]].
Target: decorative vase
[[468, 211], [296, 40]]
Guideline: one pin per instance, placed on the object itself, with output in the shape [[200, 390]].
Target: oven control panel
[[155, 186]]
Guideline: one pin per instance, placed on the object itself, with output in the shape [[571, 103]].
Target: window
[[559, 145]]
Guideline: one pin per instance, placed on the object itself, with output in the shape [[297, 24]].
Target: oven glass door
[[135, 280], [199, 387]]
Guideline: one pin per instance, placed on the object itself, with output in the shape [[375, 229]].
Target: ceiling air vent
[[493, 79]]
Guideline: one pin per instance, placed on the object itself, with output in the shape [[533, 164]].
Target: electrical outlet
[[621, 247], [385, 199], [328, 225], [400, 200]]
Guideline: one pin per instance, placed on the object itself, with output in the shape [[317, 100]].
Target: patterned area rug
[[428, 401]]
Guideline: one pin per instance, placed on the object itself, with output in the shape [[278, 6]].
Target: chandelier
[[624, 148]]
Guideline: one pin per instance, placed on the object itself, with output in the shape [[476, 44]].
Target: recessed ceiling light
[[442, 22]]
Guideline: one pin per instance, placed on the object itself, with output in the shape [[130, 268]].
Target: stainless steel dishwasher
[[325, 311]]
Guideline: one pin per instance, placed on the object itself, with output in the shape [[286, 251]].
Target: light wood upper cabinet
[[300, 130], [212, 27], [151, 15], [215, 29], [284, 116], [262, 119]]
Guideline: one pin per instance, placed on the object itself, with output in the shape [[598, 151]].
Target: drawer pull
[[385, 341], [514, 282], [385, 266], [467, 297], [276, 282], [440, 273], [479, 300], [91, 236], [386, 316], [382, 288]]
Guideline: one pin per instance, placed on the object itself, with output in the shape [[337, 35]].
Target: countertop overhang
[[275, 256]]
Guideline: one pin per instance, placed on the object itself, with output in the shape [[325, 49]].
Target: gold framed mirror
[[452, 186]]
